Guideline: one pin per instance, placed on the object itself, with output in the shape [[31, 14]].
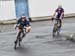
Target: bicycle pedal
[[15, 47], [15, 42]]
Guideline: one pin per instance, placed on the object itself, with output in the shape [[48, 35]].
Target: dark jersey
[[59, 12], [23, 23]]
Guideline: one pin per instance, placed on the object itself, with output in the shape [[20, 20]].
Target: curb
[[35, 19], [6, 22]]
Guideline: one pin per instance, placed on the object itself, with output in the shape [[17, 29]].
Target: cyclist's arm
[[55, 12], [62, 14], [53, 17], [28, 23], [18, 23]]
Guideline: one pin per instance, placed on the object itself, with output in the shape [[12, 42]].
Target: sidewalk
[[34, 19]]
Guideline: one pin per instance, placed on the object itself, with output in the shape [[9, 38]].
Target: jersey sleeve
[[28, 23], [62, 10], [56, 10], [18, 21]]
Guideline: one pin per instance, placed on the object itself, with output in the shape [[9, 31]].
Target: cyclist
[[59, 12], [21, 23]]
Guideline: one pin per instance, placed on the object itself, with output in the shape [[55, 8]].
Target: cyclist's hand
[[15, 26], [52, 18]]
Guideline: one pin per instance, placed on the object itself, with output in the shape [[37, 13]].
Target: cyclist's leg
[[23, 33], [57, 19], [27, 30], [60, 22], [18, 34]]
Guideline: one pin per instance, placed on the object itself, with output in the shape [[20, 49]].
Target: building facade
[[12, 9]]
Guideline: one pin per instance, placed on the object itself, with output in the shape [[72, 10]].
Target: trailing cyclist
[[59, 12]]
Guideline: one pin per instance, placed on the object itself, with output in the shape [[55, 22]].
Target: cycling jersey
[[59, 12], [23, 23]]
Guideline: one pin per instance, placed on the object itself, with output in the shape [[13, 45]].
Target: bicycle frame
[[56, 28], [20, 36]]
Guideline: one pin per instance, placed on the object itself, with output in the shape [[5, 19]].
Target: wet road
[[39, 42]]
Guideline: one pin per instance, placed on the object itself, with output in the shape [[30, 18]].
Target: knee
[[28, 29]]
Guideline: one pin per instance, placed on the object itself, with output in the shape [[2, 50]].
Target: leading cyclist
[[21, 23]]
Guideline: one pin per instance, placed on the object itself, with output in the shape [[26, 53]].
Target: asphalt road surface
[[39, 42]]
